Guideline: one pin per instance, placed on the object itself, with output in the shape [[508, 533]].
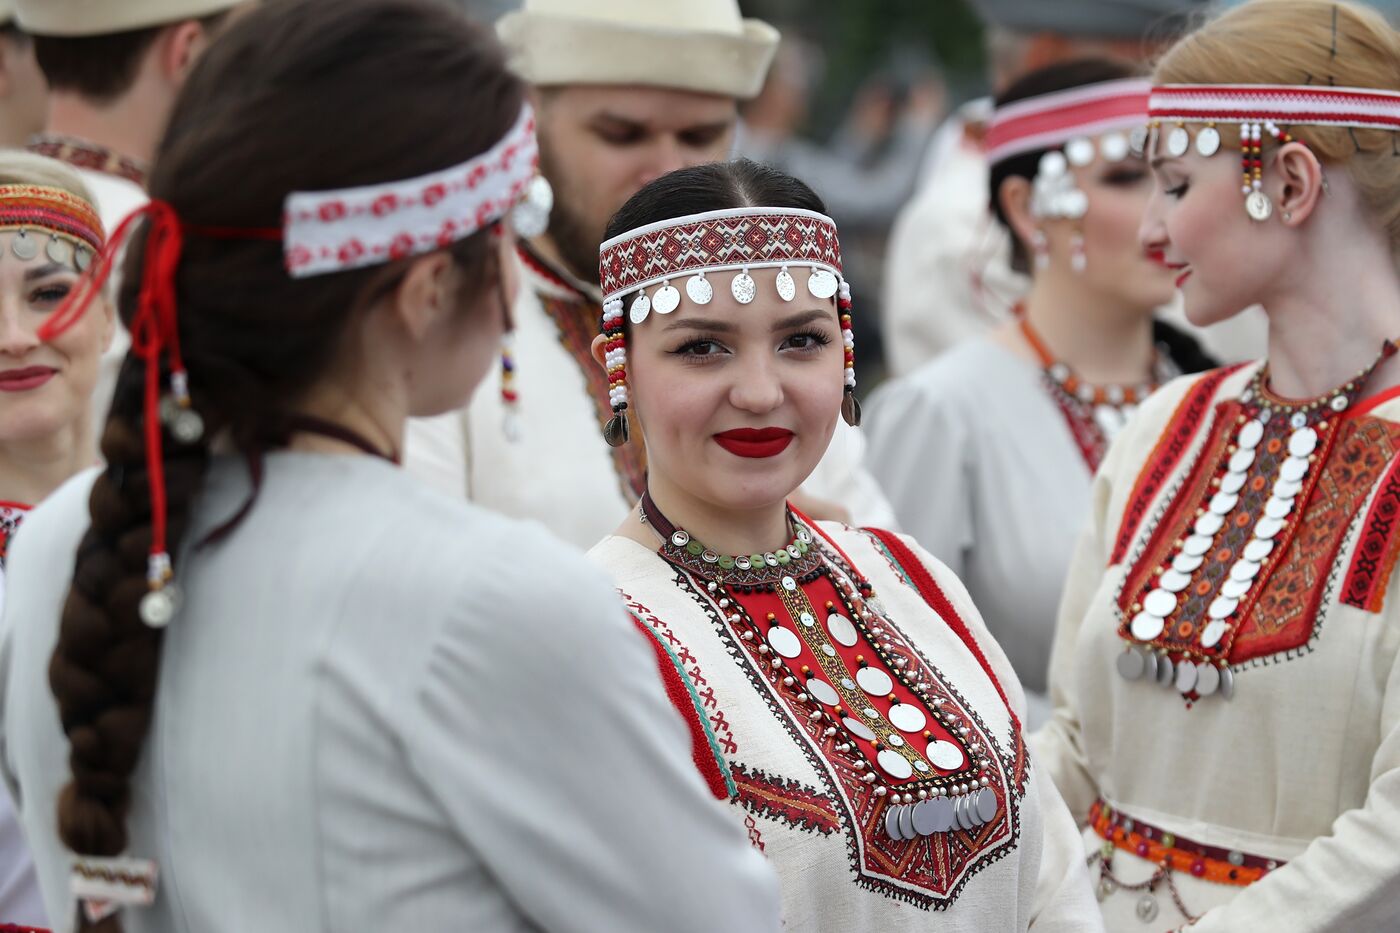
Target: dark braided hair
[[299, 95]]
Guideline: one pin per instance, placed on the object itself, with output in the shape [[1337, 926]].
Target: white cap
[[102, 17], [689, 45]]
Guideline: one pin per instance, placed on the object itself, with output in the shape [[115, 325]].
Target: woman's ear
[[1014, 197], [599, 350], [1297, 179], [427, 294]]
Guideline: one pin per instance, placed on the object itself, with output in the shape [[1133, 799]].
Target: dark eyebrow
[[1156, 161], [803, 317], [44, 271]]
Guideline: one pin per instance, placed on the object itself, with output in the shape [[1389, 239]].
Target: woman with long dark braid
[[292, 690]]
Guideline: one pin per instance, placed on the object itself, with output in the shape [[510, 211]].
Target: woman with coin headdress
[[988, 451], [255, 677], [844, 693], [1226, 673], [49, 232]]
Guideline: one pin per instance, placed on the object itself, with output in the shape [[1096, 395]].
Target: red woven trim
[[1171, 447], [933, 595], [1376, 553], [681, 699], [11, 928]]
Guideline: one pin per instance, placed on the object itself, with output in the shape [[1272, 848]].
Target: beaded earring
[[510, 399], [616, 432], [850, 405]]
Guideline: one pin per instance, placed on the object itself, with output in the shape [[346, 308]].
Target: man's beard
[[576, 242]]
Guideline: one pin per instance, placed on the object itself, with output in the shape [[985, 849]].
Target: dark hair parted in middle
[[717, 186], [299, 95]]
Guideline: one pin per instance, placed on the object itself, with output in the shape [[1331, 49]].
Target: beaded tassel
[[510, 399], [850, 405], [616, 432]]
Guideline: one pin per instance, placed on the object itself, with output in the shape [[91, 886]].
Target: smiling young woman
[[1227, 660], [49, 231], [843, 692]]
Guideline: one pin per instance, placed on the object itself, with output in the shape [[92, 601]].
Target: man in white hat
[[948, 272], [624, 91], [114, 68], [23, 92]]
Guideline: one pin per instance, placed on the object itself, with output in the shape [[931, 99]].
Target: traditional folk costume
[[1225, 671], [844, 694], [370, 738], [529, 445], [68, 231], [951, 443]]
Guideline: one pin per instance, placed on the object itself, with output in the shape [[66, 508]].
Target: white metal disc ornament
[[906, 822], [1079, 151], [1302, 442], [699, 289], [892, 824], [841, 629], [158, 607], [668, 299], [1159, 603], [1258, 206], [1131, 664], [787, 287], [1178, 141], [743, 288], [874, 681], [945, 755], [1186, 676], [1208, 141], [187, 426], [1146, 626], [1251, 434], [59, 251], [1213, 632], [1207, 679], [1052, 164], [641, 307], [823, 691], [530, 217], [784, 641], [24, 246], [986, 804], [1114, 147], [934, 815], [822, 284], [894, 764], [908, 717], [858, 728]]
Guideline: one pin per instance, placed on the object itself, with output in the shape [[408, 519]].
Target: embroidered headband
[[330, 231], [74, 229], [1260, 108], [1063, 118], [732, 240]]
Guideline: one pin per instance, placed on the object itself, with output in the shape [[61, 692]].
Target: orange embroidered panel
[[1285, 615]]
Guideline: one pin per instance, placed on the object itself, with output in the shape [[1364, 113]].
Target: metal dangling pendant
[[850, 409], [24, 246], [822, 284], [530, 217], [158, 607], [82, 257], [787, 288], [743, 288], [666, 299], [616, 432], [699, 289], [641, 307], [1259, 206], [187, 426], [59, 251]]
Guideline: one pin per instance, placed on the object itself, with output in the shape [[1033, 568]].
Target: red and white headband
[[331, 231], [734, 240], [688, 248], [1050, 121], [1260, 109]]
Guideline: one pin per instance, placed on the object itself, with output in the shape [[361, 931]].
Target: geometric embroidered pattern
[[1374, 559], [749, 237]]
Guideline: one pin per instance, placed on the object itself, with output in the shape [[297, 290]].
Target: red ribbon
[[154, 327]]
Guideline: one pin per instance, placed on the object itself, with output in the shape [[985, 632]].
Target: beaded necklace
[[855, 680], [1182, 620], [1095, 413]]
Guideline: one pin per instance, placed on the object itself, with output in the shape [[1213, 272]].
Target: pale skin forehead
[[657, 109]]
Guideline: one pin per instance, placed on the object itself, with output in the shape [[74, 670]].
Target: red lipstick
[[22, 380], [755, 443], [1158, 256], [1182, 268]]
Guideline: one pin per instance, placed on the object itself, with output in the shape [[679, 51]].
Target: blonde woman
[[1226, 674], [49, 230]]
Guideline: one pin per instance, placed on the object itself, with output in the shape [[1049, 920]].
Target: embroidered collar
[[81, 153]]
